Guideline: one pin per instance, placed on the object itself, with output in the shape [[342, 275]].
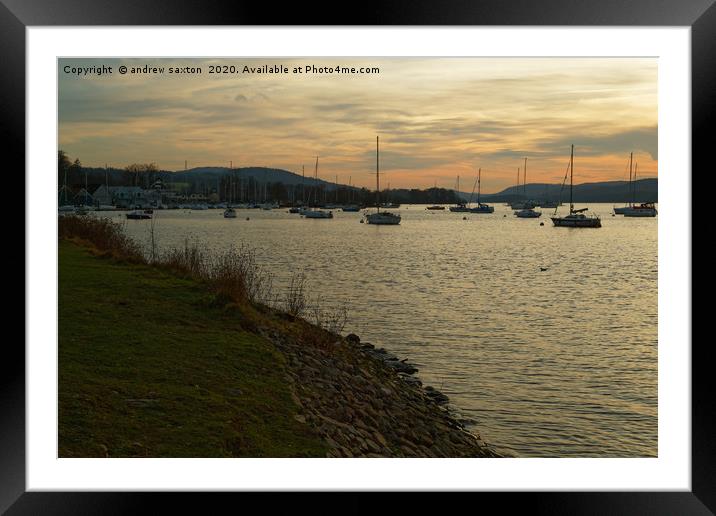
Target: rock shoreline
[[365, 402]]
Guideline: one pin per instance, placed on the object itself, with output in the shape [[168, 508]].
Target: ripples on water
[[555, 363]]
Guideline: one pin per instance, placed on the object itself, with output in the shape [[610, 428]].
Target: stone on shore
[[364, 402]]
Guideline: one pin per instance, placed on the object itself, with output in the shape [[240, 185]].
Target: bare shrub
[[295, 302], [335, 319], [237, 274], [189, 260], [102, 233], [332, 319]]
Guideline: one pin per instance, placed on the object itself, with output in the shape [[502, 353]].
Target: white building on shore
[[127, 197]]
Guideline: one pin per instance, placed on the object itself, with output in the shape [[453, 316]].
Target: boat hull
[[318, 214], [384, 219], [523, 205], [566, 222], [647, 209], [528, 214], [640, 213]]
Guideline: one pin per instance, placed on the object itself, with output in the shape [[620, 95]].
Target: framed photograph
[[432, 250]]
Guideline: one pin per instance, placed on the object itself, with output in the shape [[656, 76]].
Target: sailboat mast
[[315, 183], [571, 173], [479, 174], [377, 174], [631, 154], [524, 187], [633, 190]]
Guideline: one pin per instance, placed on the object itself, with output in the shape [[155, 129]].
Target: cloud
[[436, 117], [640, 139]]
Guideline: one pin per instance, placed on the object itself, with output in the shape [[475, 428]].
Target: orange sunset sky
[[437, 118]]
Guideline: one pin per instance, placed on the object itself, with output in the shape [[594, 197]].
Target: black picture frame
[[699, 15]]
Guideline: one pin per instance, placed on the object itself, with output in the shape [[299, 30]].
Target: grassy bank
[[178, 354], [151, 365]]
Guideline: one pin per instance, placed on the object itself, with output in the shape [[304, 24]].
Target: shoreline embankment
[[365, 402]]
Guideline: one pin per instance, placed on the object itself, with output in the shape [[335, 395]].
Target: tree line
[[230, 187], [73, 175]]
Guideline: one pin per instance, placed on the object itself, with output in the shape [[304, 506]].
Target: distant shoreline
[[262, 184]]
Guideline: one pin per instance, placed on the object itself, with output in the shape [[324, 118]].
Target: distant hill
[[209, 176], [608, 191], [646, 190], [206, 176]]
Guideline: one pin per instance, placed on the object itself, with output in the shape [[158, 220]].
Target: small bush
[[236, 274], [189, 260], [295, 302]]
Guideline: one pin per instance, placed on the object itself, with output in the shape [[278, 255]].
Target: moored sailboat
[[351, 207], [645, 209], [525, 209], [460, 207], [528, 213], [138, 215], [310, 213], [384, 218], [623, 209], [435, 206], [481, 207], [547, 202], [576, 218], [318, 214], [230, 212]]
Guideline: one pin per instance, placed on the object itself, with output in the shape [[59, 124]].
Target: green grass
[[149, 366]]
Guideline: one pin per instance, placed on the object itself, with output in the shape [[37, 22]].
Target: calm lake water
[[554, 363]]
